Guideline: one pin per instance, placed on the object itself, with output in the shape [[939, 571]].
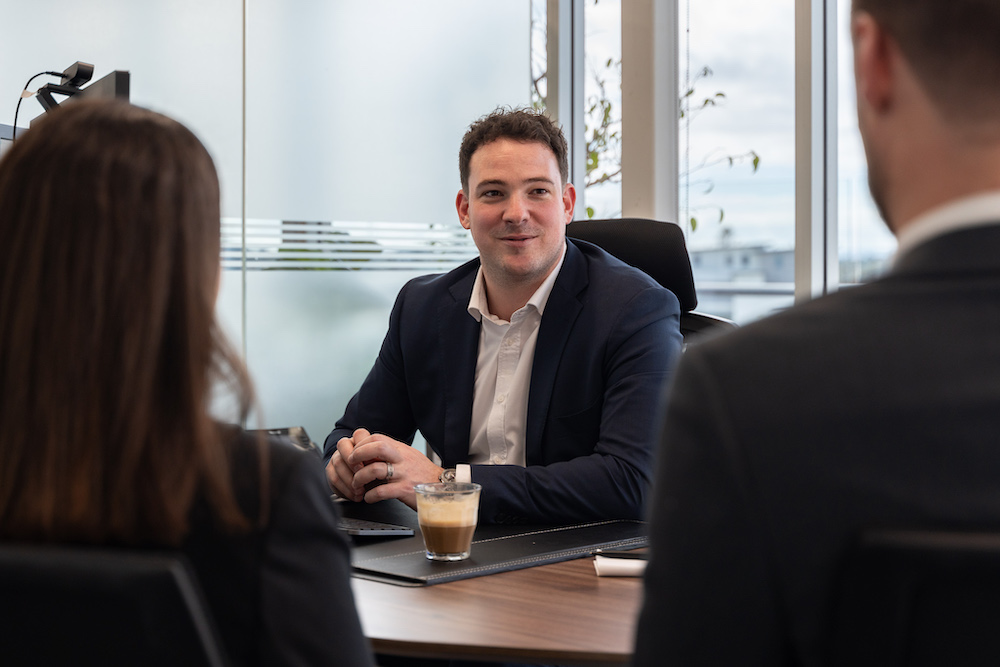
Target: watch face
[[448, 475]]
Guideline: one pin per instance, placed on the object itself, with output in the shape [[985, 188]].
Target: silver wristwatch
[[447, 475]]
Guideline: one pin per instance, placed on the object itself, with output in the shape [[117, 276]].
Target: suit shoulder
[[282, 461], [613, 285], [801, 335], [433, 282], [606, 270]]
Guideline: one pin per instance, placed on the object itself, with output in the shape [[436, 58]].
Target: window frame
[[649, 165]]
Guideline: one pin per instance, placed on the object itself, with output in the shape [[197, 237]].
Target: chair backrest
[[70, 606], [919, 599], [659, 250]]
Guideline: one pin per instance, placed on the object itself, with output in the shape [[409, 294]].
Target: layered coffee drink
[[447, 514]]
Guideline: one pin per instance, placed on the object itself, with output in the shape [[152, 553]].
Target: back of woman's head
[[109, 260]]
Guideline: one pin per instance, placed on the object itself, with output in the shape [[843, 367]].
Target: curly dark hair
[[523, 124]]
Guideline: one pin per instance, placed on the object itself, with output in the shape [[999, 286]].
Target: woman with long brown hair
[[109, 352]]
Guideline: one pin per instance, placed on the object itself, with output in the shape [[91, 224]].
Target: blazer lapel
[[458, 336], [561, 311]]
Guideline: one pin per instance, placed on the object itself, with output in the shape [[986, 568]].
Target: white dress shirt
[[503, 374], [974, 211]]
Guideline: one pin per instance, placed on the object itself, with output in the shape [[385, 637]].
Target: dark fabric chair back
[[83, 606], [919, 599], [656, 248], [659, 250]]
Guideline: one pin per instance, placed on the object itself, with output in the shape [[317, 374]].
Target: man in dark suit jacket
[[533, 370], [875, 406]]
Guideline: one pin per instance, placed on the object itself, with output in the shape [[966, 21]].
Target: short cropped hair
[[952, 47], [525, 125]]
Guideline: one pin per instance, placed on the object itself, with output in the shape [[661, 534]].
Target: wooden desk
[[560, 613]]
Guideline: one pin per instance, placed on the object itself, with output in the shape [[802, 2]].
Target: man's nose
[[517, 209]]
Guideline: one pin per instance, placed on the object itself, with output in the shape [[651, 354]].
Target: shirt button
[[501, 398], [497, 460]]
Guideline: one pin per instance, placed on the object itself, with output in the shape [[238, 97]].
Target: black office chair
[[82, 606], [919, 599], [658, 249]]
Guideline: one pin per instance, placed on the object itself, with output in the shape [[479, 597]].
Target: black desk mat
[[494, 548]]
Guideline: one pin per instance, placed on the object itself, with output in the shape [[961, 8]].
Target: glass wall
[[345, 189], [338, 156], [737, 153], [736, 145], [602, 90], [355, 111], [189, 66]]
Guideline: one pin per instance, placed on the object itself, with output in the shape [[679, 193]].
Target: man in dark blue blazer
[[534, 370]]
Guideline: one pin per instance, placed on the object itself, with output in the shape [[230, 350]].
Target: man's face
[[517, 210]]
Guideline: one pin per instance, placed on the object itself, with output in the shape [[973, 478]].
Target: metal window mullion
[[564, 73], [816, 256]]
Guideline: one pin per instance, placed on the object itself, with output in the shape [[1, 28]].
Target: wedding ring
[[388, 471]]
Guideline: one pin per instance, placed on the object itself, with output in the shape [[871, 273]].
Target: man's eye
[[540, 191], [491, 193]]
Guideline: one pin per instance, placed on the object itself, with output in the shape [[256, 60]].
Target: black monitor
[[114, 85]]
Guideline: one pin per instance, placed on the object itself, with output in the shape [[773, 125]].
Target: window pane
[[602, 91], [354, 114], [737, 153]]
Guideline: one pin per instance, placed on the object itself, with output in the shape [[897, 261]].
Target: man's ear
[[569, 201], [874, 51], [462, 206]]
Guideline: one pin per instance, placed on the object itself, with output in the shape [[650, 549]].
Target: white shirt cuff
[[463, 473]]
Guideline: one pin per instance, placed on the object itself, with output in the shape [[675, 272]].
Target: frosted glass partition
[[737, 153], [355, 111], [185, 60]]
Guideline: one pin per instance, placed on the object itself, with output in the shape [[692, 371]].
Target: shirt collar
[[973, 211], [478, 305]]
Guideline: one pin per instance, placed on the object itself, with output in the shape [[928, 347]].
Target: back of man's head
[[952, 47], [520, 125]]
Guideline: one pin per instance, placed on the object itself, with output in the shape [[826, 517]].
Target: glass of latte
[[447, 513]]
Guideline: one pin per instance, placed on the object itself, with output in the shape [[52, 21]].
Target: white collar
[[972, 211], [478, 305]]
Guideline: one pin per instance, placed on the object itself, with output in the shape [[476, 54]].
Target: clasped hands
[[359, 469]]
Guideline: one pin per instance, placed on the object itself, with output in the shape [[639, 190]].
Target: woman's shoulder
[[262, 463]]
